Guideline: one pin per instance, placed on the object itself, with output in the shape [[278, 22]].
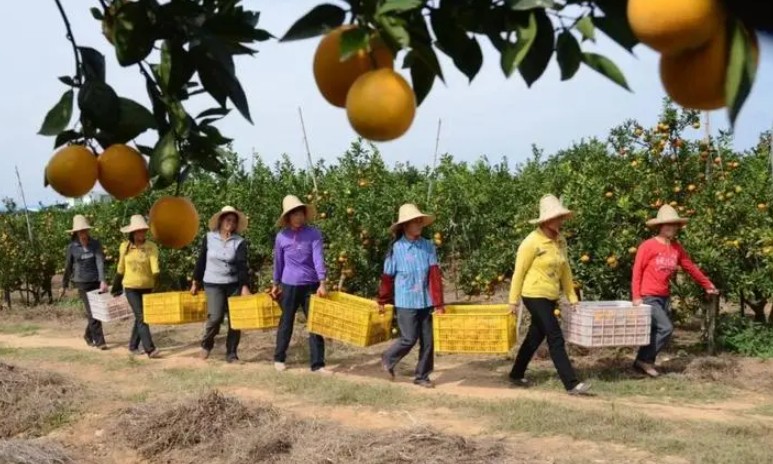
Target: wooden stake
[[24, 202], [434, 161], [308, 155]]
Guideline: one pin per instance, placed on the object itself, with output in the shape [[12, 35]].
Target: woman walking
[[412, 281], [85, 267], [657, 261], [222, 269], [137, 275], [541, 273], [299, 272]]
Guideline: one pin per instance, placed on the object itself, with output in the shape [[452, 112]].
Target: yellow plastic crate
[[482, 329], [349, 319], [253, 312], [173, 308]]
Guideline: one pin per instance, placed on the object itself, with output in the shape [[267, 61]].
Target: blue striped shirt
[[409, 264]]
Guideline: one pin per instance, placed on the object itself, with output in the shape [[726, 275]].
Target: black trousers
[[544, 324], [294, 297], [141, 330], [217, 308], [93, 333], [415, 326]]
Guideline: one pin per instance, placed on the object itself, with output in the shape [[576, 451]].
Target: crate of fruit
[[253, 312], [107, 308], [474, 329], [172, 308], [350, 319], [607, 323]]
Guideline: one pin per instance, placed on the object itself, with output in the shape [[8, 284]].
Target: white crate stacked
[[607, 323], [107, 308]]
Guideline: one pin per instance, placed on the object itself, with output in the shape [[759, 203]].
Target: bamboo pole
[[308, 155], [434, 162], [24, 202]]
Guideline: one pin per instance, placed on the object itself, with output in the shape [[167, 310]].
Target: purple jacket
[[298, 258]]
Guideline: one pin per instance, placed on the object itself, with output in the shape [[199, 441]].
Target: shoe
[[204, 354], [521, 383], [88, 341], [280, 366], [102, 347], [136, 352], [155, 354], [424, 383], [389, 370], [581, 389], [646, 369], [230, 359], [322, 371]]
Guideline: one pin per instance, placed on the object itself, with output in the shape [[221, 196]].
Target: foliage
[[742, 335]]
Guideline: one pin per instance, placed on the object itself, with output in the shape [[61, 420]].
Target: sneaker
[[102, 347], [155, 354], [646, 369], [424, 383], [232, 358], [389, 370], [204, 354], [88, 341], [322, 371], [581, 389], [521, 383], [280, 367]]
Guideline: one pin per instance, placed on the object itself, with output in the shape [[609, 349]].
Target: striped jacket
[[412, 277]]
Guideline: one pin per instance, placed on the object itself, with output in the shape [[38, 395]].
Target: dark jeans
[[294, 297], [415, 325], [140, 331], [94, 333], [217, 308], [662, 328], [544, 323]]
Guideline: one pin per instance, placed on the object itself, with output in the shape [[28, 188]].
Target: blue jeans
[[217, 308], [140, 330], [294, 297], [662, 328]]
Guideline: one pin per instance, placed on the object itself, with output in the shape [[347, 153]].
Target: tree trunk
[[711, 312]]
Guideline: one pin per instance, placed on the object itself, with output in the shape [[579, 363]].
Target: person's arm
[[435, 280], [279, 265], [154, 268], [318, 257], [567, 281], [523, 260], [68, 268], [242, 267], [686, 263], [638, 273], [201, 262], [386, 289]]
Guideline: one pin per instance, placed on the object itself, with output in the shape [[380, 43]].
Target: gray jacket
[[84, 264], [222, 261]]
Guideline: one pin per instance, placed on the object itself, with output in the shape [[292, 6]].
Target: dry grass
[[32, 452], [32, 403]]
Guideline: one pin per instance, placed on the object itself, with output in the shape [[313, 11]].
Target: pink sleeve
[[686, 263], [638, 270]]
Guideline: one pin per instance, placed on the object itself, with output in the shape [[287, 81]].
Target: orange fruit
[[334, 77], [72, 171], [174, 221], [381, 105], [123, 172], [675, 26]]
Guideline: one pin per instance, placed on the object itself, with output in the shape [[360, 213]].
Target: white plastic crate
[[607, 323], [106, 308]]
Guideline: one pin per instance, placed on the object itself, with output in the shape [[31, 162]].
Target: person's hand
[[381, 309], [514, 308], [103, 287], [194, 288], [713, 291], [246, 291], [637, 302], [573, 307], [322, 290], [275, 292], [440, 310]]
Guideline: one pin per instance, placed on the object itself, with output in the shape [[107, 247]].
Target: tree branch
[[71, 38]]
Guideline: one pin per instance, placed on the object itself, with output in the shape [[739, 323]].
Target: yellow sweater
[[138, 264], [541, 269]]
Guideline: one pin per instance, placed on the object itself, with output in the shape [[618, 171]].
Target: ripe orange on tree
[[72, 171], [174, 221], [381, 105], [123, 172], [670, 26]]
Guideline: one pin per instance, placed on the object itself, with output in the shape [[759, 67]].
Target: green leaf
[[586, 28], [135, 118], [615, 23], [741, 70], [96, 13], [513, 53], [568, 54], [352, 41], [606, 67], [520, 5], [165, 160], [319, 20], [99, 104], [59, 116], [67, 80], [454, 42], [214, 135], [180, 119], [541, 51], [422, 76], [133, 33], [213, 112], [395, 29], [93, 64], [398, 6], [65, 137], [216, 70]]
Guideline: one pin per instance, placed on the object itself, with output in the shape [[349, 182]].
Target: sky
[[492, 116]]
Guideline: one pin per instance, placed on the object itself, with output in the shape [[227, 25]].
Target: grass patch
[[21, 328], [763, 410]]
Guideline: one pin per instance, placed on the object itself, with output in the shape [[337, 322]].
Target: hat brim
[[130, 229], [558, 214], [428, 220], [311, 214], [72, 231], [241, 226], [663, 222]]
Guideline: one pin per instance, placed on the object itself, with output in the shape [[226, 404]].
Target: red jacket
[[655, 266]]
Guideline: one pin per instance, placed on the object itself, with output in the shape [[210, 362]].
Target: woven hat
[[79, 222], [214, 221], [667, 215], [136, 222], [408, 212], [550, 207], [290, 203]]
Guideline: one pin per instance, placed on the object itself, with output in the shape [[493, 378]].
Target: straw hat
[[409, 212], [214, 221], [550, 207], [667, 215], [290, 203], [137, 222], [79, 222]]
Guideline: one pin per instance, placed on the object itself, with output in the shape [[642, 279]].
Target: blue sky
[[493, 116]]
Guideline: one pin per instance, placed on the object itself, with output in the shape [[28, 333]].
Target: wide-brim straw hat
[[550, 207], [241, 226], [408, 212], [667, 215], [79, 222], [136, 222], [291, 203]]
